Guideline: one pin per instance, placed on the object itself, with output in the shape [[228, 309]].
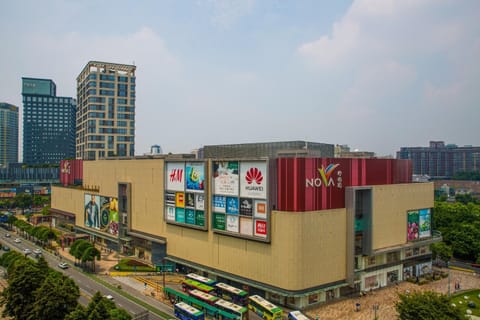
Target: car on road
[[108, 296], [26, 251], [17, 240], [63, 265], [37, 251], [6, 248], [7, 235]]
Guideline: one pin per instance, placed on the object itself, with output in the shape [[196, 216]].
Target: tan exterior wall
[[389, 212], [303, 246]]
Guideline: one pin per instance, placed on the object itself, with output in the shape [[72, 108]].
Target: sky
[[376, 75]]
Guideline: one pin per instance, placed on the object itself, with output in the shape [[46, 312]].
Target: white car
[[37, 251], [17, 240], [27, 251], [109, 297], [63, 265]]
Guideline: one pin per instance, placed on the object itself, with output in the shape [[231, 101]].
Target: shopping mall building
[[298, 230]]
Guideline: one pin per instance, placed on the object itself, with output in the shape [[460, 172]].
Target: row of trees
[[460, 227], [24, 201], [36, 291], [42, 234], [85, 252]]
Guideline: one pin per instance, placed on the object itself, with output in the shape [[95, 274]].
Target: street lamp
[[375, 308]]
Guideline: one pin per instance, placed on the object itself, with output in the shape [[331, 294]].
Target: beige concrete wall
[[303, 246], [389, 212]]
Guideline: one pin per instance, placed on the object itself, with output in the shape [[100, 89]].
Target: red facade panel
[[71, 171], [308, 184]]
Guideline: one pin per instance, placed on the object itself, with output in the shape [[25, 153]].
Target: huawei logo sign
[[254, 175]]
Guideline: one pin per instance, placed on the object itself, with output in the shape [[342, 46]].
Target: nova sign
[[325, 178]]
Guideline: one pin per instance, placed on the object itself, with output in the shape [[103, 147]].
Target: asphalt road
[[88, 287]]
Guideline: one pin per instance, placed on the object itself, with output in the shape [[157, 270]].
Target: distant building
[[156, 149], [343, 151], [106, 111], [441, 161], [268, 149], [8, 134], [48, 123]]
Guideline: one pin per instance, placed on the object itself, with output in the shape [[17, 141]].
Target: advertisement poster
[[412, 225], [170, 213], [170, 198], [200, 218], [219, 204], [253, 181], [180, 199], [189, 200], [195, 176], [219, 221], [92, 211], [232, 223], [225, 178], [109, 215], [246, 226], [424, 223], [180, 215], [246, 207], [199, 201], [261, 228], [175, 176], [190, 216], [232, 205], [260, 209]]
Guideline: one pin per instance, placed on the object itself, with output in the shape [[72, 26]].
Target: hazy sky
[[373, 74]]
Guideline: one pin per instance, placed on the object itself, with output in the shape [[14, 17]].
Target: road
[[88, 287]]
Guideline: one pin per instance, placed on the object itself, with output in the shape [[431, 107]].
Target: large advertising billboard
[[101, 213], [419, 224], [239, 198], [185, 194]]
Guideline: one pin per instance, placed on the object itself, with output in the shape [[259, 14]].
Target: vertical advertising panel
[[185, 194], [101, 213], [412, 225], [424, 221], [240, 193], [225, 178]]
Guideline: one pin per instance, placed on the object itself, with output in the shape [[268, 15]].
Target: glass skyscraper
[[48, 123], [106, 111], [8, 134]]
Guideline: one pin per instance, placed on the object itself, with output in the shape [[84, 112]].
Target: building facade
[[268, 149], [8, 134], [106, 111], [48, 123], [441, 161], [299, 231]]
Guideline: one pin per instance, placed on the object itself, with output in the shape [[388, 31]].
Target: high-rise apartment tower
[[106, 111], [48, 123], [8, 134]]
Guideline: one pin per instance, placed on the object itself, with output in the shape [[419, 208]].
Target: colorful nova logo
[[326, 178], [66, 167]]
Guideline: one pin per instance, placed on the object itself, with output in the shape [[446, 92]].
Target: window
[[372, 260]]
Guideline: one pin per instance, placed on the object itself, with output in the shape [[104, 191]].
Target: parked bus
[[184, 311], [203, 296], [264, 308], [230, 307], [210, 312], [297, 315], [196, 277], [230, 293], [189, 284]]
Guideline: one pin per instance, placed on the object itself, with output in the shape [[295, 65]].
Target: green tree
[[56, 298], [426, 306], [90, 254], [442, 251], [119, 314], [23, 201], [25, 277], [78, 314]]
